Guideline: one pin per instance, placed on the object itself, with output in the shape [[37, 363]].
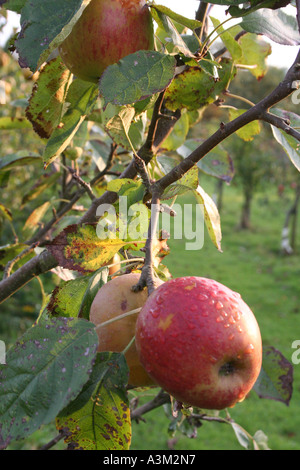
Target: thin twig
[[11, 263], [53, 441], [161, 398], [281, 123], [147, 278]]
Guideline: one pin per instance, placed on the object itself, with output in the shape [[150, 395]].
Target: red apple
[[113, 299], [107, 31], [200, 342]]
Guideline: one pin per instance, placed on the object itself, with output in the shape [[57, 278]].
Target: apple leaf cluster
[[127, 134]]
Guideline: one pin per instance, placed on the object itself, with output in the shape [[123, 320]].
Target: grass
[[251, 264]]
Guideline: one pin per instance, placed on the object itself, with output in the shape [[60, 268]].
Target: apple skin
[[200, 342], [115, 298], [107, 31]]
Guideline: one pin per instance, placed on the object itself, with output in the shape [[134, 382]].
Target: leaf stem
[[119, 317]]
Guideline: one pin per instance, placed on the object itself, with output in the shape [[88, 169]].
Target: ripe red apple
[[115, 298], [107, 31], [200, 342]]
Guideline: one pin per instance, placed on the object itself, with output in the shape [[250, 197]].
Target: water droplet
[[249, 349], [219, 305], [213, 359], [202, 297], [239, 329], [231, 320], [154, 313]]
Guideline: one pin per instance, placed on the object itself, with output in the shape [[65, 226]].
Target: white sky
[[282, 56]]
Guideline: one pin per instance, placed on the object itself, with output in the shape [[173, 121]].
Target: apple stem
[[128, 345], [119, 317]]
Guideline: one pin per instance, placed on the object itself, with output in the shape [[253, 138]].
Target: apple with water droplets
[[107, 31], [200, 342]]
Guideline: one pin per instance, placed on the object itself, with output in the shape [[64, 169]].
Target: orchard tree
[[117, 85]]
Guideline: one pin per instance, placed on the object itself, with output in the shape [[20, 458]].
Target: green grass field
[[251, 264]]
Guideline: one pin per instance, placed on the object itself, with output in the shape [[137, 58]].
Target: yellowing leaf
[[211, 216], [99, 419], [249, 131], [47, 102], [79, 248]]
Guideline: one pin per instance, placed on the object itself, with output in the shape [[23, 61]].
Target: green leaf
[[9, 252], [194, 88], [241, 435], [133, 190], [249, 131], [15, 5], [168, 33], [275, 24], [216, 163], [255, 52], [99, 419], [178, 134], [73, 298], [228, 40], [254, 5], [44, 371], [46, 181], [118, 127], [44, 28], [289, 143], [47, 101], [81, 99], [211, 216], [188, 182], [187, 22], [17, 160], [275, 380], [136, 77]]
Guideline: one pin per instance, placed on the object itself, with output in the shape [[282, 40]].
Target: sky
[[282, 56]]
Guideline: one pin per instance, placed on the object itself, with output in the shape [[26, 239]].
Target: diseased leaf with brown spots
[[194, 88], [275, 380], [47, 102], [45, 370], [79, 248], [99, 418], [73, 298]]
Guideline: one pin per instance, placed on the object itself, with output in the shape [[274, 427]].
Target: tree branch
[[147, 278], [45, 262], [160, 399], [260, 111], [281, 123]]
